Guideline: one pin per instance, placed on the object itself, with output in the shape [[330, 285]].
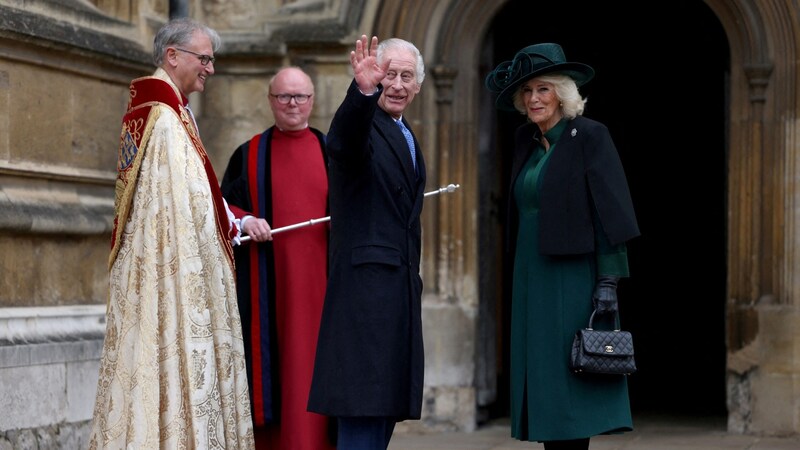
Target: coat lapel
[[397, 142], [399, 148]]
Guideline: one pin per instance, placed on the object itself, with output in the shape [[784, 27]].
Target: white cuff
[[371, 94]]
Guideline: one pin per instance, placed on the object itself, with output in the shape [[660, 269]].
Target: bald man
[[280, 176]]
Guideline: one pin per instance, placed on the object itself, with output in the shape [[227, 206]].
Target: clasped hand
[[258, 229]]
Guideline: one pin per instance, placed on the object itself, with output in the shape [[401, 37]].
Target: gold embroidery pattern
[[172, 373], [131, 134], [189, 124], [126, 180], [133, 92]]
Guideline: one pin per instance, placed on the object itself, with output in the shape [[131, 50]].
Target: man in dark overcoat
[[369, 364]]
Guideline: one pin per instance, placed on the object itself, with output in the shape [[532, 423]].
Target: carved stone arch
[[751, 65], [448, 33], [762, 197], [750, 252], [445, 221], [449, 37], [763, 203]]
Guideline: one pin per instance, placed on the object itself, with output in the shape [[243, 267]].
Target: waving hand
[[364, 59]]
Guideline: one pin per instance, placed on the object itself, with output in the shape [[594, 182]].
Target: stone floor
[[651, 433]]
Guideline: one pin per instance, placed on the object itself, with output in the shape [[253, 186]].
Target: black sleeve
[[234, 181]]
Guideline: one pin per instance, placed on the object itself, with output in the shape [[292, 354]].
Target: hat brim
[[581, 73]]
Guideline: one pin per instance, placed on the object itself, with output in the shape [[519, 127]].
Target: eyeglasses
[[284, 99], [204, 59]]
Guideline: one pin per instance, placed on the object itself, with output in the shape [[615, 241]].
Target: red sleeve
[[238, 212]]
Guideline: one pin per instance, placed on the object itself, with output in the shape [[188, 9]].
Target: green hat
[[532, 61]]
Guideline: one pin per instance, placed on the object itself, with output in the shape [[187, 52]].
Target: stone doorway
[[667, 110]]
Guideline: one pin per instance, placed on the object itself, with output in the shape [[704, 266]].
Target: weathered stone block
[[449, 346], [774, 404], [36, 394], [81, 389]]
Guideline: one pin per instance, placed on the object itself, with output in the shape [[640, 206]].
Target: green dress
[[551, 300]]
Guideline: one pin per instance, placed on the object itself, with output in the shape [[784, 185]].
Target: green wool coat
[[551, 300]]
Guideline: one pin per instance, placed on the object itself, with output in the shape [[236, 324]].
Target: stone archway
[[649, 307], [445, 116], [749, 284], [762, 287]]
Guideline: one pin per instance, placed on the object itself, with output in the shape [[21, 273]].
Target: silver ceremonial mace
[[442, 190]]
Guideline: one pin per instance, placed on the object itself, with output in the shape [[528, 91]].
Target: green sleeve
[[611, 259]]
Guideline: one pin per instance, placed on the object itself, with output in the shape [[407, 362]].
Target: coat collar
[[397, 142]]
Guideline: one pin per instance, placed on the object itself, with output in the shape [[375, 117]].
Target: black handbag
[[603, 351]]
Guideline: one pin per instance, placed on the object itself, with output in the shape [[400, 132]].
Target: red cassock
[[282, 322]]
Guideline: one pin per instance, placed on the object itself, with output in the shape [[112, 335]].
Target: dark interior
[[661, 88]]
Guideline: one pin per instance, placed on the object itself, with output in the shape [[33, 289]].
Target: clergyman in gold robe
[[172, 372]]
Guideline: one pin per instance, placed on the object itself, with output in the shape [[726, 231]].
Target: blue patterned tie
[[410, 141]]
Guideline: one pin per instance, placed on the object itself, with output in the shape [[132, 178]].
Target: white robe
[[172, 374]]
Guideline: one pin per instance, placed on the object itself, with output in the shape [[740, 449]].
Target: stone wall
[[65, 66], [49, 364], [62, 89], [64, 74]]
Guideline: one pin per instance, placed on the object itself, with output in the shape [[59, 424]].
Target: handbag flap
[[609, 343]]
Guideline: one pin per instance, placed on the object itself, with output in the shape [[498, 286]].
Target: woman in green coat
[[570, 215]]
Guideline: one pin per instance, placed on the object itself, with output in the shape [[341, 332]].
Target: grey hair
[[179, 32], [400, 44], [572, 104]]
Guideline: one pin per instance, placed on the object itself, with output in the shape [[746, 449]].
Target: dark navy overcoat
[[370, 358]]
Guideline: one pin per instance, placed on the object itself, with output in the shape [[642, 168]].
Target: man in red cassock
[[280, 176]]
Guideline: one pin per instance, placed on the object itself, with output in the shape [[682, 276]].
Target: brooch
[[574, 132]]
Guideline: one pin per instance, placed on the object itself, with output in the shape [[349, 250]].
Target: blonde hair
[[572, 104]]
